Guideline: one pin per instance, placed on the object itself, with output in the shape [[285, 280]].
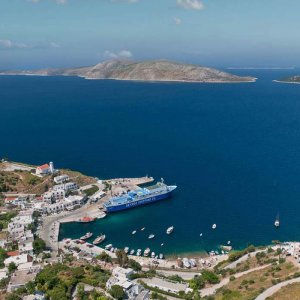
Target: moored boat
[[161, 256], [108, 247], [133, 232], [87, 236], [139, 197], [151, 236], [214, 226], [132, 252], [147, 252], [139, 252], [86, 220], [126, 250], [99, 239]]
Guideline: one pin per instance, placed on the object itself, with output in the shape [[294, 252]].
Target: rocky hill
[[159, 70]]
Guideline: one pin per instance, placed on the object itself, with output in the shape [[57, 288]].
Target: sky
[[227, 33]]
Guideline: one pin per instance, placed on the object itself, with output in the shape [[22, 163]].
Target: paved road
[[211, 290], [275, 288]]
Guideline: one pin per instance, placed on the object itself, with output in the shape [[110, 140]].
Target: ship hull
[[137, 203]]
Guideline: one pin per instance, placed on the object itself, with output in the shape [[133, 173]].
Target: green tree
[[134, 265], [122, 258], [12, 296], [104, 257], [3, 256], [12, 267], [39, 245], [117, 292]]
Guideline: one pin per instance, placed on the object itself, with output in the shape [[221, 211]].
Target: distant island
[[292, 79], [158, 70]]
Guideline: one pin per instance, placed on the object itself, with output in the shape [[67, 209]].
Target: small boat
[[229, 242], [277, 223], [170, 230], [86, 220], [186, 263], [151, 236], [201, 234], [192, 262], [112, 249], [147, 252], [139, 252], [162, 244], [142, 229], [87, 236], [132, 252], [214, 226], [126, 249], [133, 232], [161, 256], [153, 254], [108, 247], [99, 239]]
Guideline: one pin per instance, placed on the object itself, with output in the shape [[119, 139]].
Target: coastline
[[134, 80], [290, 82]]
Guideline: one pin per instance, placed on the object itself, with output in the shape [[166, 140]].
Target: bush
[[232, 278], [134, 265], [210, 277], [117, 292]]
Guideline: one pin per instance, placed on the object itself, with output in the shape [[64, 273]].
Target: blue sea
[[232, 149]]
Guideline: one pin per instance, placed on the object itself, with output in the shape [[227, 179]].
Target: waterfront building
[[43, 169]]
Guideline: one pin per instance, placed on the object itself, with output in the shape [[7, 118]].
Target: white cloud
[[54, 45], [177, 21], [57, 1], [8, 44], [191, 4], [116, 55], [128, 1]]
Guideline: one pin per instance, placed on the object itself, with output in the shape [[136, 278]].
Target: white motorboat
[[147, 252], [133, 232], [161, 256], [139, 252], [132, 252], [142, 229], [214, 226], [186, 263], [108, 247], [153, 254], [170, 230], [87, 236], [151, 236], [126, 249]]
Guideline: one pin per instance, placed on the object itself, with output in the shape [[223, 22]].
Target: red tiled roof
[[13, 253], [42, 167], [10, 198]]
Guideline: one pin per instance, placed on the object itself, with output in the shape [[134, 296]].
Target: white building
[[43, 170], [120, 277], [66, 187], [61, 179], [18, 259]]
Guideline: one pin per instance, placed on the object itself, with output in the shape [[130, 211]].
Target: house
[[66, 187], [43, 170], [20, 277], [54, 195], [17, 201], [120, 276], [138, 292], [18, 259], [61, 179]]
